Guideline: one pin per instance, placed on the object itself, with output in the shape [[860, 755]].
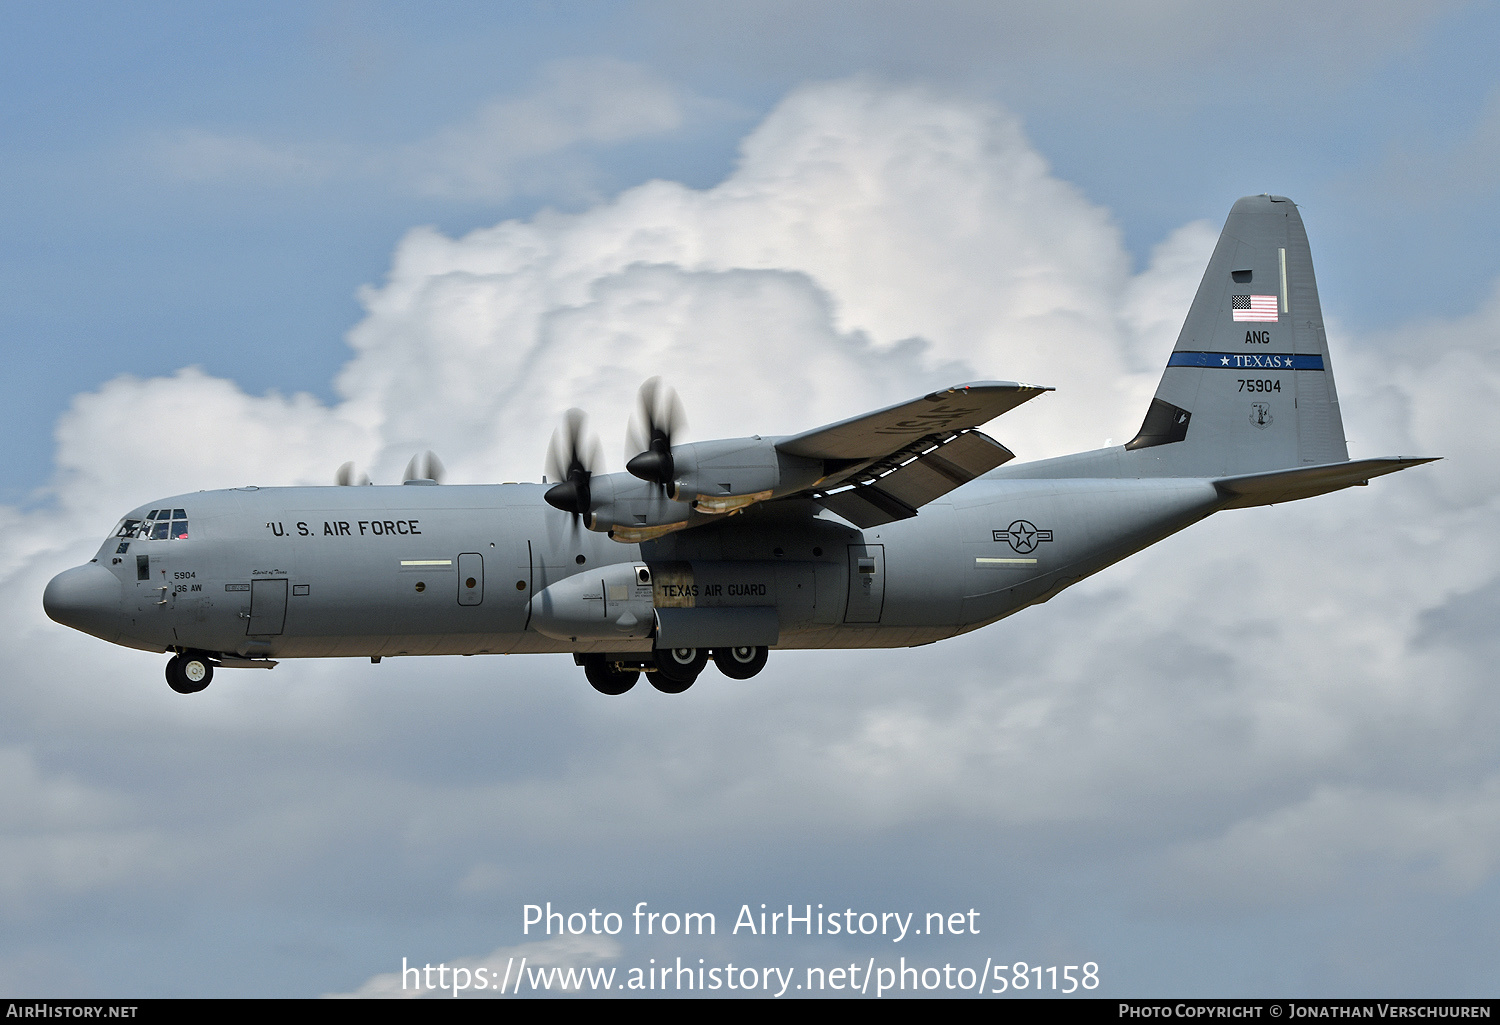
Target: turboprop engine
[[667, 487], [713, 479]]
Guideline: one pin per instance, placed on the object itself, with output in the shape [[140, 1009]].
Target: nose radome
[[86, 598]]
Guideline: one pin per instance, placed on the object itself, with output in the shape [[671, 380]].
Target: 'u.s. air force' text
[[346, 528]]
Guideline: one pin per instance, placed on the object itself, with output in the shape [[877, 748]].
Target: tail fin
[[1249, 387]]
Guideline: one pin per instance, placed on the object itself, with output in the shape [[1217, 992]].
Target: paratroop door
[[866, 583], [267, 606]]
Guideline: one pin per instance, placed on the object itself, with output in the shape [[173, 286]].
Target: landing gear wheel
[[677, 668], [606, 679], [740, 663], [188, 674]]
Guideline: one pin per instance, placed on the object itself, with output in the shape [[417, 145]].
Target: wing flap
[[954, 463], [895, 488], [866, 506]]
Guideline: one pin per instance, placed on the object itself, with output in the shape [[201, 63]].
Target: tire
[[188, 674], [741, 663], [677, 668], [606, 679]]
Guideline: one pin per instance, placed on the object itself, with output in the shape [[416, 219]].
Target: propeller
[[345, 476], [658, 417], [572, 458], [425, 466]]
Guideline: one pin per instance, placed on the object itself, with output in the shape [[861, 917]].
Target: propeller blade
[[425, 466], [659, 417], [573, 457], [345, 476]]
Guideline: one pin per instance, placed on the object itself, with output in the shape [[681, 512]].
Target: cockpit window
[[159, 524]]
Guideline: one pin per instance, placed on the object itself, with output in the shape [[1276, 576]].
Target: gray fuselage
[[460, 569]]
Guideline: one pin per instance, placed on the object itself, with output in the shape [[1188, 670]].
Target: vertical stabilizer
[[1249, 387]]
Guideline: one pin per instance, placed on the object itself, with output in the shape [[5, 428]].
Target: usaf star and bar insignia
[[1023, 536]]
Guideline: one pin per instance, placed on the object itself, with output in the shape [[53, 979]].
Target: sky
[[245, 246]]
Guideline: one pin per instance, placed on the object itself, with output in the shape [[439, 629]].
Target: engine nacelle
[[633, 510], [726, 476], [713, 478]]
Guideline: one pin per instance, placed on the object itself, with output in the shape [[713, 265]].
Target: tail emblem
[[1260, 415]]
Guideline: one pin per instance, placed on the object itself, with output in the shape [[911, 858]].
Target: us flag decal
[[1254, 307]]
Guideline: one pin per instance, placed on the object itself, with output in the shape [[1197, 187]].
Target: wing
[[873, 436], [885, 465]]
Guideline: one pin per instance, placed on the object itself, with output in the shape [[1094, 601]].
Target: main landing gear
[[677, 668], [189, 672], [740, 663], [607, 678], [670, 670]]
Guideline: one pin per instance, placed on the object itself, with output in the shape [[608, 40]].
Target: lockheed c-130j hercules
[[899, 527]]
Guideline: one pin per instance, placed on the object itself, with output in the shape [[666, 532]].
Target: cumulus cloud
[[873, 239], [1266, 686]]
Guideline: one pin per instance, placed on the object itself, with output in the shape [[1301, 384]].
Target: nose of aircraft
[[86, 598]]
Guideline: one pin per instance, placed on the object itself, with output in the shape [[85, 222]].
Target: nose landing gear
[[606, 678], [189, 673]]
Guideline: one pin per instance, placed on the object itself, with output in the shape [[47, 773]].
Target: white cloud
[[1156, 300], [864, 228]]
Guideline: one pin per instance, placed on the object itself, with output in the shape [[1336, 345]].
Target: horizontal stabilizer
[[1306, 481]]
